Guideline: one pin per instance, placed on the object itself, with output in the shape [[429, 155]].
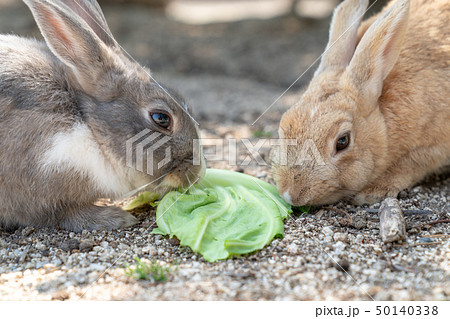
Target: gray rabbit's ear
[[73, 42], [91, 13], [343, 35]]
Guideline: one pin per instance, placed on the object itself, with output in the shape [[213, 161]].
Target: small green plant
[[262, 133], [148, 271]]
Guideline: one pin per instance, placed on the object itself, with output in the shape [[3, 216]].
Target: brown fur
[[393, 95]]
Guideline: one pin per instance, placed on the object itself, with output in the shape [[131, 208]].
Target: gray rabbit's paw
[[96, 218]]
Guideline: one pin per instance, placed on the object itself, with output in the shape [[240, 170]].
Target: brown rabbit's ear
[[378, 51], [92, 14], [343, 35], [73, 42]]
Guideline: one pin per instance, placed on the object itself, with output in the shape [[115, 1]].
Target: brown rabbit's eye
[[161, 119], [343, 142]]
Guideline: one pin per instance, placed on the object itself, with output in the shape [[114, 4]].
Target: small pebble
[[359, 220], [174, 241], [40, 246], [292, 249], [48, 266], [327, 231], [341, 265], [340, 237], [403, 194], [86, 245], [27, 231], [45, 252], [359, 238], [70, 245], [153, 251], [328, 239]]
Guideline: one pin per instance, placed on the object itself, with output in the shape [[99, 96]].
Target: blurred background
[[230, 59]]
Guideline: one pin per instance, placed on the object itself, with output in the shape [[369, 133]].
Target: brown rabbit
[[377, 112], [68, 108]]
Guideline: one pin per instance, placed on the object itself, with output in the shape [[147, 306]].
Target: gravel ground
[[230, 73]]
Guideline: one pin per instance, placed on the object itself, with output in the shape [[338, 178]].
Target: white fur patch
[[77, 149], [287, 197]]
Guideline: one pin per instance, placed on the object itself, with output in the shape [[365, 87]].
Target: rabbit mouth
[[180, 174], [173, 181], [184, 173], [184, 176]]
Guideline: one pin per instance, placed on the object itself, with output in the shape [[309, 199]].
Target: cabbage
[[227, 214], [145, 198]]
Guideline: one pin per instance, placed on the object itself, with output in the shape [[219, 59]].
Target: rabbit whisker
[[189, 181]]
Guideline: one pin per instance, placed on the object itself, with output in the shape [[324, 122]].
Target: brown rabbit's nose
[[287, 197], [293, 189], [295, 198]]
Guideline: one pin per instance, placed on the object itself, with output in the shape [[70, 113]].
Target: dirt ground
[[230, 73]]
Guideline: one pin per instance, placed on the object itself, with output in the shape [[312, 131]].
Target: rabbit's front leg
[[389, 184], [404, 174], [96, 217], [376, 193]]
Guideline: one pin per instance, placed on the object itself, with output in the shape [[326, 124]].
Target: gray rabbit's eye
[[343, 142], [161, 119]]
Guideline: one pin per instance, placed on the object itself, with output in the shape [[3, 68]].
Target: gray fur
[[46, 90]]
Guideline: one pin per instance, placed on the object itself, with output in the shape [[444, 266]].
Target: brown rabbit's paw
[[374, 195], [96, 218]]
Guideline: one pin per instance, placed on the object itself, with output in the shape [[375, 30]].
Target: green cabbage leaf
[[143, 199], [226, 214]]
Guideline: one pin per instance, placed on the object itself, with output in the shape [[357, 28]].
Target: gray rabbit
[[67, 109]]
